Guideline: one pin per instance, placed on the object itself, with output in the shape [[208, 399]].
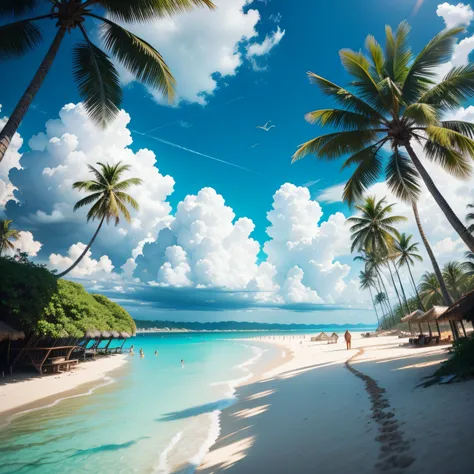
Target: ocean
[[155, 415]]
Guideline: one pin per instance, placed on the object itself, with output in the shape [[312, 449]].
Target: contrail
[[175, 145], [419, 4]]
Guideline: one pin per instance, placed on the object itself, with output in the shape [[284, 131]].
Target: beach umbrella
[[105, 335], [115, 335], [124, 335], [92, 334], [411, 318]]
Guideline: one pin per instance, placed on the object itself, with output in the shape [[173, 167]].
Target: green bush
[[33, 299], [461, 362]]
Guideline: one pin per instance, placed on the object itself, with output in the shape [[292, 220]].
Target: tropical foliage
[[109, 198], [34, 300], [396, 102], [93, 69], [7, 236]]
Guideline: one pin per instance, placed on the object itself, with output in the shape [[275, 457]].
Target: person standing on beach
[[347, 337]]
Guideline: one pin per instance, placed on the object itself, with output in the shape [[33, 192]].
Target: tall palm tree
[[7, 235], [367, 282], [94, 72], [406, 253], [396, 102], [470, 219], [110, 200], [447, 299], [430, 290], [455, 278], [374, 231]]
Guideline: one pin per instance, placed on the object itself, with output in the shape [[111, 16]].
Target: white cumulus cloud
[[454, 15]]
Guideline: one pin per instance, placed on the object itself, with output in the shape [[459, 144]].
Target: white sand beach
[[23, 390], [312, 414]]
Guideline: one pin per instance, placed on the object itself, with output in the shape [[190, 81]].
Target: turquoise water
[[152, 417]]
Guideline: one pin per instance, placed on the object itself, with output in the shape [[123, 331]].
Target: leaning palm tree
[[110, 200], [470, 219], [395, 102], [7, 235], [367, 282], [430, 290], [94, 72], [406, 254], [374, 232]]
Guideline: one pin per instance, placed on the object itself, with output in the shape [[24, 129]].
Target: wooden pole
[[463, 328]]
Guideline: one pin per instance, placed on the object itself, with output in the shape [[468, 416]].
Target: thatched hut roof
[[463, 308], [105, 335], [8, 333], [320, 337], [92, 334], [412, 317], [114, 335], [124, 335], [432, 315]]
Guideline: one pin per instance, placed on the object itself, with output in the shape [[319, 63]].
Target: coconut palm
[[94, 72], [430, 290], [7, 235], [110, 200], [468, 266], [455, 278], [406, 254], [367, 282], [395, 102], [374, 232]]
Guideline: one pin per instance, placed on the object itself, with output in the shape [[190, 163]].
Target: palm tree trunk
[[448, 301], [23, 105], [375, 307], [422, 306], [403, 290], [394, 285], [458, 226], [381, 282], [65, 272]]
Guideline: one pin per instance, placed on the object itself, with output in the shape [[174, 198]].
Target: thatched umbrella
[[433, 315], [124, 335], [461, 309], [411, 318], [7, 333]]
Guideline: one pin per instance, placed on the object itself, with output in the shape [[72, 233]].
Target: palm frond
[[88, 186], [123, 209], [376, 54], [335, 145], [98, 81], [449, 159], [398, 52], [456, 87], [142, 10], [465, 128], [402, 177], [420, 75], [128, 199], [422, 114], [124, 185], [139, 58], [18, 38], [341, 119], [16, 8], [345, 98], [450, 139], [87, 200]]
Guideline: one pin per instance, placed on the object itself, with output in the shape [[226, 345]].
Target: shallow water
[[156, 415]]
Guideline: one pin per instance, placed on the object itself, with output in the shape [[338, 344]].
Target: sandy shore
[[312, 414], [23, 390]]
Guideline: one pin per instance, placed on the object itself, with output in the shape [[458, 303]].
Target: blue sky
[[271, 86]]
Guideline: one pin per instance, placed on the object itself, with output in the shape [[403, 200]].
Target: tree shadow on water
[[197, 410]]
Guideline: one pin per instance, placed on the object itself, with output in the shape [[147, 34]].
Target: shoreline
[[313, 407], [25, 392]]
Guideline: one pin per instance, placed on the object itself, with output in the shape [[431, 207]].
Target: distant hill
[[239, 326]]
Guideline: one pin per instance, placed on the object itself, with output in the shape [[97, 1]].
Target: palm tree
[[94, 72], [469, 265], [109, 198], [373, 231], [448, 301], [407, 253], [381, 299], [7, 235], [430, 290], [396, 102], [367, 282], [455, 278]]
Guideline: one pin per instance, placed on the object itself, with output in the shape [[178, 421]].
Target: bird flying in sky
[[266, 127], [254, 145]]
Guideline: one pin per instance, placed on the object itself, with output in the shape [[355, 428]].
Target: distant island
[[223, 326]]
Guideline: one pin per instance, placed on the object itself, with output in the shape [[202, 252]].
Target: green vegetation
[[7, 235], [93, 70], [110, 200], [34, 300], [461, 362], [397, 102]]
